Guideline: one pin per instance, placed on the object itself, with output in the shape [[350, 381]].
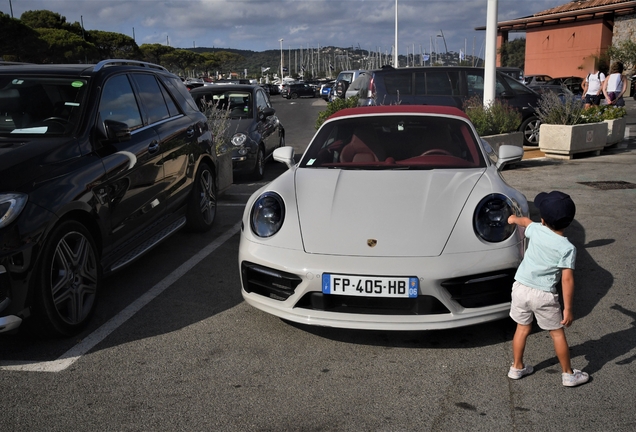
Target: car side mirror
[[508, 154], [116, 131], [267, 112], [285, 155]]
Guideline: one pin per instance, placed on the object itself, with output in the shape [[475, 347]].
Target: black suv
[[294, 91], [450, 86], [98, 164]]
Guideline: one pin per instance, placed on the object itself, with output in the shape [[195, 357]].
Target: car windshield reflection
[[394, 142], [39, 106], [238, 104]]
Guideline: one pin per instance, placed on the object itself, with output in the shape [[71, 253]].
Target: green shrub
[[496, 118], [603, 112], [552, 109], [334, 106]]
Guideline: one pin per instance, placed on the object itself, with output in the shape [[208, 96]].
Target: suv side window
[[516, 86], [475, 83], [437, 83], [151, 97], [118, 102], [398, 83]]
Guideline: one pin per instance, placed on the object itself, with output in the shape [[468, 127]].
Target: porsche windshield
[[238, 104], [39, 105], [394, 142]]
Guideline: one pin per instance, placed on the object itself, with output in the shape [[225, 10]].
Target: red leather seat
[[357, 152]]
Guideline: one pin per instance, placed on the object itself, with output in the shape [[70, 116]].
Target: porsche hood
[[388, 213]]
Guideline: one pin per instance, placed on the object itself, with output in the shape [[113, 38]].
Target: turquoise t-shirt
[[547, 254]]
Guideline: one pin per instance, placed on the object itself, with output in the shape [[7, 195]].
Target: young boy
[[550, 256]]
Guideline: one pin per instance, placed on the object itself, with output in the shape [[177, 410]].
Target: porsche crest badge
[[372, 242]]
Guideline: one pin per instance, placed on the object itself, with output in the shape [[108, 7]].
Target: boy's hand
[[511, 219], [567, 318]]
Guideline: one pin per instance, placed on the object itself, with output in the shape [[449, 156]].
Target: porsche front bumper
[[455, 290]]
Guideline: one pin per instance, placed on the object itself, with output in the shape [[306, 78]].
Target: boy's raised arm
[[521, 221]]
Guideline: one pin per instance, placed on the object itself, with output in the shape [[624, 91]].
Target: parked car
[[344, 79], [573, 84], [396, 218], [294, 91], [98, 164], [271, 89], [449, 86], [516, 73], [530, 80], [325, 90], [633, 87], [254, 131]]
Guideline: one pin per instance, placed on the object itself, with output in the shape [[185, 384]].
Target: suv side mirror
[[267, 112], [116, 131]]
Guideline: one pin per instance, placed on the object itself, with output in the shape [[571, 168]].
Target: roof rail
[[120, 62]]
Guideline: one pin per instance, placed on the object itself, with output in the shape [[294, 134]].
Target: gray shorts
[[544, 305]]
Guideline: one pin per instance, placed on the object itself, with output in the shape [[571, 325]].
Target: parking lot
[[173, 346]]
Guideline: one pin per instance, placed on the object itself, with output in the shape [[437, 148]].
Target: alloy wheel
[[207, 202]]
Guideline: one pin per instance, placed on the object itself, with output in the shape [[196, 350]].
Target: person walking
[[549, 259], [615, 86], [592, 87]]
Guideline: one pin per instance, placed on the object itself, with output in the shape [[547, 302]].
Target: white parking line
[[74, 354]]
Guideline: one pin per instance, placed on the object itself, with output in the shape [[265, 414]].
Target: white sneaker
[[515, 374], [575, 378]]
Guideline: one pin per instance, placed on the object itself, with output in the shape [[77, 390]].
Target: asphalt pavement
[[178, 349]]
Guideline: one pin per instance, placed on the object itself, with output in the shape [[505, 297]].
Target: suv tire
[[67, 282], [341, 88], [202, 202]]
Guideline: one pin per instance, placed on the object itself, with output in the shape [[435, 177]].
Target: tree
[[154, 53], [182, 59], [43, 19], [63, 46], [624, 52], [113, 45], [18, 42], [513, 53]]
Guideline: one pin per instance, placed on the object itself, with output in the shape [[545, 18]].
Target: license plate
[[370, 286]]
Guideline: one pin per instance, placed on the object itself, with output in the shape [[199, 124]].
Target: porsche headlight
[[491, 218], [11, 204], [239, 139], [268, 214]]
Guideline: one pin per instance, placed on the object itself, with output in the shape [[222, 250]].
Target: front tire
[[294, 95], [202, 204], [259, 166], [530, 128], [69, 276]]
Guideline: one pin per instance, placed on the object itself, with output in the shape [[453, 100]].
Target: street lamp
[[444, 39], [281, 59], [396, 60]]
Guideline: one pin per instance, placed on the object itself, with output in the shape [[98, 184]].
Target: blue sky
[[259, 24]]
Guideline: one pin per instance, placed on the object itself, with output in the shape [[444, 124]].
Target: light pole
[[445, 47], [490, 61], [396, 61], [281, 59]]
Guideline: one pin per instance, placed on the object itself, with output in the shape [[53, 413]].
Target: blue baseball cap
[[557, 209]]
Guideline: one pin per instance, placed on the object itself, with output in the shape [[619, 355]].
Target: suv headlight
[[11, 204], [267, 215], [239, 139], [491, 218]]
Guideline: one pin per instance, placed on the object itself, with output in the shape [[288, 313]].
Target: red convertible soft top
[[400, 109]]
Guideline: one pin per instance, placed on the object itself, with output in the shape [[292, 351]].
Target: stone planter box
[[512, 138], [563, 142], [615, 131]]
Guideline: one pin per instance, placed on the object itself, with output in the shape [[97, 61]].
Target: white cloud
[[258, 24]]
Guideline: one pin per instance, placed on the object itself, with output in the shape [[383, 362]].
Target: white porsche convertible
[[395, 218]]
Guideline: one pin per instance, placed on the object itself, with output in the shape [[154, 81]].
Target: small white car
[[395, 218]]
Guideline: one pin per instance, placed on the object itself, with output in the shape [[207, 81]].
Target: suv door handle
[[190, 132], [153, 147]]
